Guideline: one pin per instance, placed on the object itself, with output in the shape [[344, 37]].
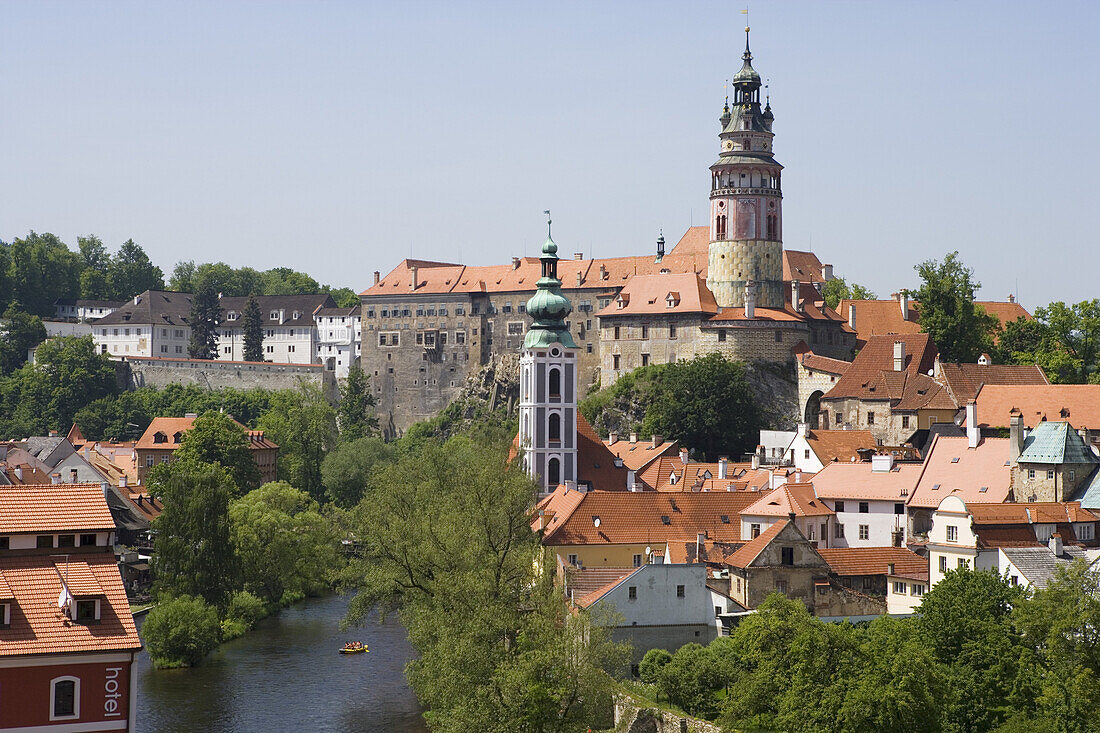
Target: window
[[148, 461], [1084, 531], [1050, 475], [900, 588], [645, 332], [66, 540], [571, 559], [917, 589], [672, 330], [839, 419], [460, 337], [781, 586], [864, 507], [952, 533], [632, 592], [4, 543], [555, 427], [864, 531], [1031, 474], [963, 563], [615, 361], [87, 540], [270, 350], [64, 698], [721, 334], [645, 359], [555, 383], [553, 472], [637, 560], [905, 421], [778, 337], [807, 453], [943, 563], [515, 328], [899, 508], [754, 531], [870, 418], [44, 541], [838, 532], [680, 591], [616, 331], [839, 507], [87, 610], [787, 555]]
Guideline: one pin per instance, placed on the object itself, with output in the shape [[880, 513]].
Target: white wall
[[657, 603], [906, 597], [880, 520], [945, 554]]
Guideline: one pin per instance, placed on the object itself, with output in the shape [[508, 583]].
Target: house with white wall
[[869, 500], [791, 501], [339, 338], [811, 450], [289, 328]]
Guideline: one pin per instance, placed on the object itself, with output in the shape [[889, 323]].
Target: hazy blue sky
[[339, 137]]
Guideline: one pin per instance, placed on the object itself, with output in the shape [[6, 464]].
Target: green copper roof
[[548, 307], [1089, 493], [1055, 443]]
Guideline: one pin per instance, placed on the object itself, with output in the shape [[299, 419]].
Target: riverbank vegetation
[[981, 655]]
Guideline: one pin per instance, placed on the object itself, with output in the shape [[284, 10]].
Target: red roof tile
[[669, 293], [595, 462], [879, 317], [965, 380], [867, 378], [169, 426], [874, 561], [636, 456], [840, 445], [748, 552], [53, 508], [1077, 404], [857, 481], [952, 468], [797, 499]]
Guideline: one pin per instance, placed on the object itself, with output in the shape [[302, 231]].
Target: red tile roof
[[748, 552], [965, 380], [857, 481], [595, 462], [169, 426], [631, 518], [664, 294], [797, 499], [1077, 404], [952, 468], [693, 476], [1042, 512], [840, 445], [586, 600], [879, 317], [53, 508], [875, 561], [636, 456], [872, 377], [818, 363], [39, 627]]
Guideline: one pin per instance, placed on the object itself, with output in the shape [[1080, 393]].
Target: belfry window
[[555, 428], [555, 384], [553, 472]]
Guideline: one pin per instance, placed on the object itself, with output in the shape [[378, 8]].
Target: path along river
[[286, 675]]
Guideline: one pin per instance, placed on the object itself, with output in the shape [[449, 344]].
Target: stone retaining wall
[[160, 372], [633, 716]]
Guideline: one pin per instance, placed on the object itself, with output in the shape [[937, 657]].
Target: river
[[286, 674]]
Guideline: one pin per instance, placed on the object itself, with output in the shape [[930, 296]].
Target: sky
[[338, 138]]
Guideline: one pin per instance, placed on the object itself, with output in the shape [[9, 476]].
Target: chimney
[[191, 415], [578, 255], [72, 475], [795, 290], [684, 456], [755, 461], [882, 463], [973, 432], [377, 277], [1011, 298], [603, 272], [55, 478], [657, 441], [1015, 433], [515, 263], [903, 299], [633, 438], [723, 468], [122, 481], [542, 520], [750, 299], [414, 273], [852, 315], [1055, 544], [19, 472], [803, 429], [630, 478], [580, 278], [826, 272], [899, 356], [612, 438], [106, 486]]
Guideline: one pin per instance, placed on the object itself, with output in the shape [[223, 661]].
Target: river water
[[286, 675]]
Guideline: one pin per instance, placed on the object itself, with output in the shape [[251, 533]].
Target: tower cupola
[[548, 307]]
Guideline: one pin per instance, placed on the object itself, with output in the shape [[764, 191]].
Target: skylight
[[936, 487], [954, 460], [665, 519]]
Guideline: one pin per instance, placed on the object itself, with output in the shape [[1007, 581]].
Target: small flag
[[745, 11]]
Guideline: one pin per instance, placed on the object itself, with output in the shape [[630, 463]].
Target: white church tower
[[548, 382]]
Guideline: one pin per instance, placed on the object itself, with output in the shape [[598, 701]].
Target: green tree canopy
[[303, 424], [253, 326], [838, 289], [195, 553], [284, 543], [346, 469], [205, 316], [40, 270], [131, 272], [19, 333], [354, 412], [181, 631], [217, 438], [961, 330]]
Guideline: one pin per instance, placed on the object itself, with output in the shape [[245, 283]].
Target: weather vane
[[548, 221]]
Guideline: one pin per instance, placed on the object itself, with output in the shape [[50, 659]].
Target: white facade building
[[289, 328], [869, 500], [154, 323], [339, 338], [85, 310]]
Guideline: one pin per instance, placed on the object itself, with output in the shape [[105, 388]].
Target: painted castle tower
[[746, 202], [548, 381]]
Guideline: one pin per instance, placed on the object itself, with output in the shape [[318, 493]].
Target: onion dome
[[548, 307]]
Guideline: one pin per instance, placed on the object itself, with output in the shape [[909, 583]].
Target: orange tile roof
[[748, 552], [5, 589], [1077, 404], [857, 481], [965, 380], [169, 426], [879, 317], [875, 561], [1042, 512], [631, 518], [53, 508], [693, 476], [866, 378], [797, 499], [839, 445], [695, 241], [80, 579], [591, 597], [636, 456], [797, 265], [39, 627], [670, 293], [818, 363], [712, 552], [595, 462], [952, 468]]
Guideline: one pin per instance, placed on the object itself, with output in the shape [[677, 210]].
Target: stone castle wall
[[136, 372], [730, 265]]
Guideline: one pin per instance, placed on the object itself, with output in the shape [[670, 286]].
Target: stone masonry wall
[[147, 372], [634, 716], [731, 264]]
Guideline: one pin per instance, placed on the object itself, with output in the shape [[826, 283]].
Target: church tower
[[746, 202], [548, 381]]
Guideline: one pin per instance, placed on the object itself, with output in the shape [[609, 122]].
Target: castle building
[[548, 382]]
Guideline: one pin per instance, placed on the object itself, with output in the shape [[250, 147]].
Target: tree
[[19, 333], [286, 547], [346, 470], [131, 272], [344, 297], [41, 270], [195, 554], [180, 632], [285, 281], [183, 277], [961, 330], [690, 680], [706, 404], [217, 438], [650, 666], [303, 424], [66, 376], [253, 326], [354, 412], [1074, 332], [837, 289], [95, 261], [205, 316]]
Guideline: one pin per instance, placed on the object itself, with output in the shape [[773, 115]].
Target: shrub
[[651, 664], [181, 631], [246, 608]]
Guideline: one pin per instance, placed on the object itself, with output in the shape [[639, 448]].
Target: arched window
[[555, 383], [720, 226], [64, 698], [553, 473], [555, 427]]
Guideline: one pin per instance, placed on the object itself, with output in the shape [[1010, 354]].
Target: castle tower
[[548, 381], [746, 202]]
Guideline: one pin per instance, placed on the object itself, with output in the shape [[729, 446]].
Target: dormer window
[[159, 437], [274, 315], [623, 300], [86, 610], [177, 437], [5, 614], [672, 300], [231, 316], [296, 315]]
